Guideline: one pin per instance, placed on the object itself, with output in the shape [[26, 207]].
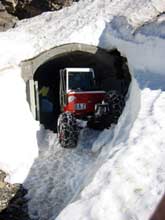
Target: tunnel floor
[[58, 174]]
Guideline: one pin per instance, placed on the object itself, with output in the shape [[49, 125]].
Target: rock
[[29, 8], [2, 175], [13, 204], [10, 5], [6, 20], [2, 185], [2, 8], [10, 10]]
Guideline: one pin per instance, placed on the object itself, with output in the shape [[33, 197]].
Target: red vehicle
[[80, 99]]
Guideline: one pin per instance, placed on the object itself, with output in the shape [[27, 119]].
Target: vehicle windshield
[[81, 81]]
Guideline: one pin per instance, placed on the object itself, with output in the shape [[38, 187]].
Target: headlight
[[71, 98]]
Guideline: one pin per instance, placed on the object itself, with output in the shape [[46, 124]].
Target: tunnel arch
[[111, 71], [29, 66]]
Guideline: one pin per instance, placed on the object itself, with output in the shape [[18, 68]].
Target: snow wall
[[130, 169], [128, 182]]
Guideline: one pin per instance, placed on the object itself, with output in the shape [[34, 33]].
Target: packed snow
[[118, 173], [18, 143], [58, 174]]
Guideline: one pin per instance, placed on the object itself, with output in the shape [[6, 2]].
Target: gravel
[[13, 204]]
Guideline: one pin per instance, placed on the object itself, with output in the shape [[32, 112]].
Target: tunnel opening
[[111, 73]]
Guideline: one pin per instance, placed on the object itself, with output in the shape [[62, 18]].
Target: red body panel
[[83, 103]]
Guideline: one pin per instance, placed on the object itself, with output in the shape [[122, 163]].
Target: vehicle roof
[[75, 69]]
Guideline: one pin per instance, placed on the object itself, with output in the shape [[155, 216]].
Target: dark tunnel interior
[[111, 73]]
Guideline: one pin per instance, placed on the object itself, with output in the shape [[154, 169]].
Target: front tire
[[68, 131]]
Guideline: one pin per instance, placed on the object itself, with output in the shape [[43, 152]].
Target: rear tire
[[67, 130], [116, 105]]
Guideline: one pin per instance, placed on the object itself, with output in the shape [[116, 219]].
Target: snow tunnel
[[42, 76]]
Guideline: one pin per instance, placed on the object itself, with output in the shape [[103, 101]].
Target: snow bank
[[18, 146], [127, 181], [81, 23]]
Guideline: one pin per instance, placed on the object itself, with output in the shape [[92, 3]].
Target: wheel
[[67, 130], [116, 104], [108, 112], [100, 121]]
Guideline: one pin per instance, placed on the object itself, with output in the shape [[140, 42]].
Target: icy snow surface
[[119, 173], [58, 174]]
